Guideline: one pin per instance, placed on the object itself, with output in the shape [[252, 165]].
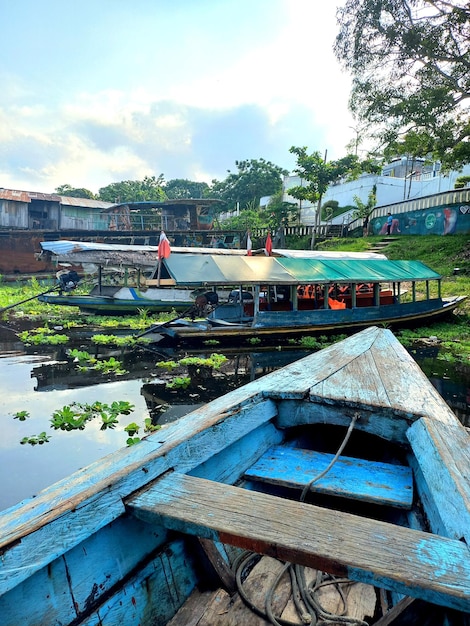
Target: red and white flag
[[268, 246], [248, 245], [164, 249]]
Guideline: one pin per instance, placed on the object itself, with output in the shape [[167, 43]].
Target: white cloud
[[212, 89]]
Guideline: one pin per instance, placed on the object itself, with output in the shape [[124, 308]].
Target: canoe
[[346, 462], [124, 300]]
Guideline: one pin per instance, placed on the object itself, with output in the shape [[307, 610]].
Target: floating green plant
[[36, 439], [149, 427], [21, 415], [214, 361], [132, 429], [167, 365], [76, 415], [179, 382], [42, 338], [131, 441]]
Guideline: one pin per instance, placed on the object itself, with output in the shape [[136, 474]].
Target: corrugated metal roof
[[12, 194], [212, 270], [84, 202], [63, 246]]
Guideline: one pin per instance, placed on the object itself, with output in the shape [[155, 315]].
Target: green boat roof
[[189, 269]]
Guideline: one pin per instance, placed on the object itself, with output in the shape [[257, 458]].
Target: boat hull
[[286, 324], [127, 539], [108, 305]]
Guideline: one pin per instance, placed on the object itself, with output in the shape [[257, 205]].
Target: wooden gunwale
[[353, 375]]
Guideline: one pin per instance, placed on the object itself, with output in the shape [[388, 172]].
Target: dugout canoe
[[347, 461]]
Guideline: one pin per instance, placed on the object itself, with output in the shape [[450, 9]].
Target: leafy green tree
[[280, 213], [410, 61], [365, 209], [255, 179], [179, 188], [74, 192], [317, 175], [149, 189], [249, 219], [461, 182]]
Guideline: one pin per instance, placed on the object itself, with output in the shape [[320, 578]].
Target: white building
[[390, 188]]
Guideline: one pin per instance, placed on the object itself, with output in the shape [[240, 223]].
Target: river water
[[42, 380]]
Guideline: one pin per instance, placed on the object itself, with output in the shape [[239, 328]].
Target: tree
[[365, 209], [280, 213], [317, 173], [255, 179], [134, 191], [411, 72], [461, 182], [73, 192], [179, 188]]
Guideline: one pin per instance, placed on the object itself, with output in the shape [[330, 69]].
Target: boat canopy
[[67, 250], [193, 270]]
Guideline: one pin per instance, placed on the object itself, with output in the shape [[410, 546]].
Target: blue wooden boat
[[346, 462]]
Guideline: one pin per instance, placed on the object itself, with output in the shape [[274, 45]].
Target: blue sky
[[99, 91]]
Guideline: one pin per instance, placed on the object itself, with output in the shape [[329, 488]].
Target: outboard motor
[[206, 302], [67, 280]]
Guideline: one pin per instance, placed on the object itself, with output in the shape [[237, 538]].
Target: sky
[[99, 91]]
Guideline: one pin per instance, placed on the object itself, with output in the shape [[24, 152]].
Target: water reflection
[[41, 380]]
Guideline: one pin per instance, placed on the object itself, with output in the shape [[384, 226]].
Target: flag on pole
[[248, 245], [164, 250], [268, 246]]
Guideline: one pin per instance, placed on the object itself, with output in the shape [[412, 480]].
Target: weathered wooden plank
[[375, 421], [222, 569], [443, 455], [370, 381], [193, 610], [218, 611], [256, 588], [170, 577], [433, 568], [357, 479], [91, 498], [46, 543]]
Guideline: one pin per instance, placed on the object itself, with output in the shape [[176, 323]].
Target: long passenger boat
[[345, 467], [287, 297], [126, 279]]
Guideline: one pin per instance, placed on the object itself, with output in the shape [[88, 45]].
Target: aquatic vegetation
[[76, 415], [253, 341], [214, 361], [21, 415], [42, 338], [149, 426], [132, 429], [36, 439], [110, 365], [167, 365], [179, 382]]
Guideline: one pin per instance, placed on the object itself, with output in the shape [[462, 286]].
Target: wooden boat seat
[[410, 562], [356, 479]]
